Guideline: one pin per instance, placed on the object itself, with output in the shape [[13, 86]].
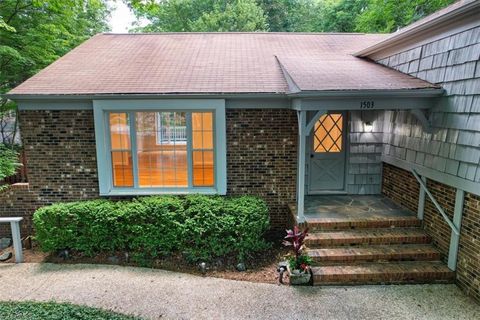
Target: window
[[328, 133], [157, 149]]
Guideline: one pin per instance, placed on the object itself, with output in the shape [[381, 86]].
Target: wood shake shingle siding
[[454, 145]]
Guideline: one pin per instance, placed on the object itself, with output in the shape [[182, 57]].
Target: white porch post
[[302, 143]]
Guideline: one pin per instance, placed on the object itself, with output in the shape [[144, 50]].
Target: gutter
[[418, 28], [421, 92]]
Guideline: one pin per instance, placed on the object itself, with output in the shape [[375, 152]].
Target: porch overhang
[[319, 103], [366, 99]]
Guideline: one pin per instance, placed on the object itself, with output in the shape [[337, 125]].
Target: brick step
[[379, 273], [366, 236], [322, 224], [378, 253]]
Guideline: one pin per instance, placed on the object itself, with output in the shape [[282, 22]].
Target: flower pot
[[299, 277]]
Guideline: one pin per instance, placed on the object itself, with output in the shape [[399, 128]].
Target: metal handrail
[[437, 205]]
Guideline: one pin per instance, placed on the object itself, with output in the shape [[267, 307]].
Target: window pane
[[203, 168], [197, 142], [207, 140], [197, 168], [328, 133], [119, 131], [161, 149], [207, 121], [122, 169]]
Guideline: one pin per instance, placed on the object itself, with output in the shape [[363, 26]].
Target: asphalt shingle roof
[[216, 63]]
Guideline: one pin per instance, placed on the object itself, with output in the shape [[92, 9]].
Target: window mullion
[[133, 143], [189, 150]]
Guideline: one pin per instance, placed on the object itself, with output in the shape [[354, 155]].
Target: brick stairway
[[373, 251]]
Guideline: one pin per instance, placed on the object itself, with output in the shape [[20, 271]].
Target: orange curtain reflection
[[120, 150], [202, 146]]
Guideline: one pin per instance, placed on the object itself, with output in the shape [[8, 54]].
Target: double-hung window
[[160, 146]]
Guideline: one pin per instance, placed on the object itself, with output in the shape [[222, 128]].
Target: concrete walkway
[[161, 294]]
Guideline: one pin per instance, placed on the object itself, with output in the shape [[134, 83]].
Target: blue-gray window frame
[[102, 136]]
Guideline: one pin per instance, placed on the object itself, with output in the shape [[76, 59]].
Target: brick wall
[[61, 162], [17, 201], [262, 157], [61, 155], [401, 186], [61, 158], [468, 263]]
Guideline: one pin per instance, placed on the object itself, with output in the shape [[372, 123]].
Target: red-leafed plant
[[296, 238]]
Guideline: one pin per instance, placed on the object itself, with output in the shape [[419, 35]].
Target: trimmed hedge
[[200, 227]]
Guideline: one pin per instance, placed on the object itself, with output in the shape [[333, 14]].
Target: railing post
[[455, 238], [421, 200], [17, 241]]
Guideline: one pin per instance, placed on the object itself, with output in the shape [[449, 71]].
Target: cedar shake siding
[[453, 148]]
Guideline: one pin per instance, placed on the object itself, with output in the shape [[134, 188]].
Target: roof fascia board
[[454, 181], [114, 96], [240, 101], [429, 92], [367, 103], [451, 21]]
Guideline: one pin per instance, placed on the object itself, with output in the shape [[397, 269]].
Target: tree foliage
[[282, 15], [199, 15], [34, 33], [391, 15]]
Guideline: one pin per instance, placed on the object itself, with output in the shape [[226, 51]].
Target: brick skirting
[[402, 187]]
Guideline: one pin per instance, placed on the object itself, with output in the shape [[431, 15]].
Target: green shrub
[[8, 162], [200, 227]]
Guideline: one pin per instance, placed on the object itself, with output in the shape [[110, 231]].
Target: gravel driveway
[[158, 294]]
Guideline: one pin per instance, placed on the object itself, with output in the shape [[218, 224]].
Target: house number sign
[[367, 104]]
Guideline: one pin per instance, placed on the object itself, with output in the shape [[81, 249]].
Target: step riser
[[383, 279], [337, 259], [421, 239], [378, 282], [349, 225]]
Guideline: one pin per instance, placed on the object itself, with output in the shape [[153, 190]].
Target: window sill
[[162, 191]]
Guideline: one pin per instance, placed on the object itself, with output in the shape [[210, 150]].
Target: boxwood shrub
[[200, 227]]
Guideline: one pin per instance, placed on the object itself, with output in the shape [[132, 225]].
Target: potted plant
[[298, 264]]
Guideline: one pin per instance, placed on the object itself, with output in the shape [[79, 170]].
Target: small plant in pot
[[299, 263]]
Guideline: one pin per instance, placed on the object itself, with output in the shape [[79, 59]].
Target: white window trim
[[105, 179]]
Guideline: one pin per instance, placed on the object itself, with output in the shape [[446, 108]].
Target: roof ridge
[[241, 32]]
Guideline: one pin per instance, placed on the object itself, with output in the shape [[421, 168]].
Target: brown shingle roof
[[215, 63]]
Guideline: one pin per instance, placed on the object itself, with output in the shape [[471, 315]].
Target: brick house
[[294, 118]]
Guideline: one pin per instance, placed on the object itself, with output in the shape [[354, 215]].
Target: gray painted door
[[327, 154]]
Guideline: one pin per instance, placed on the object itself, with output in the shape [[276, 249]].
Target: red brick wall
[[468, 263], [17, 201], [61, 161], [433, 221], [400, 186], [262, 158]]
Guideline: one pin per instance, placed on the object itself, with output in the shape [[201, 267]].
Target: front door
[[327, 154]]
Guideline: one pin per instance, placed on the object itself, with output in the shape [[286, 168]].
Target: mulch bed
[[261, 268]]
